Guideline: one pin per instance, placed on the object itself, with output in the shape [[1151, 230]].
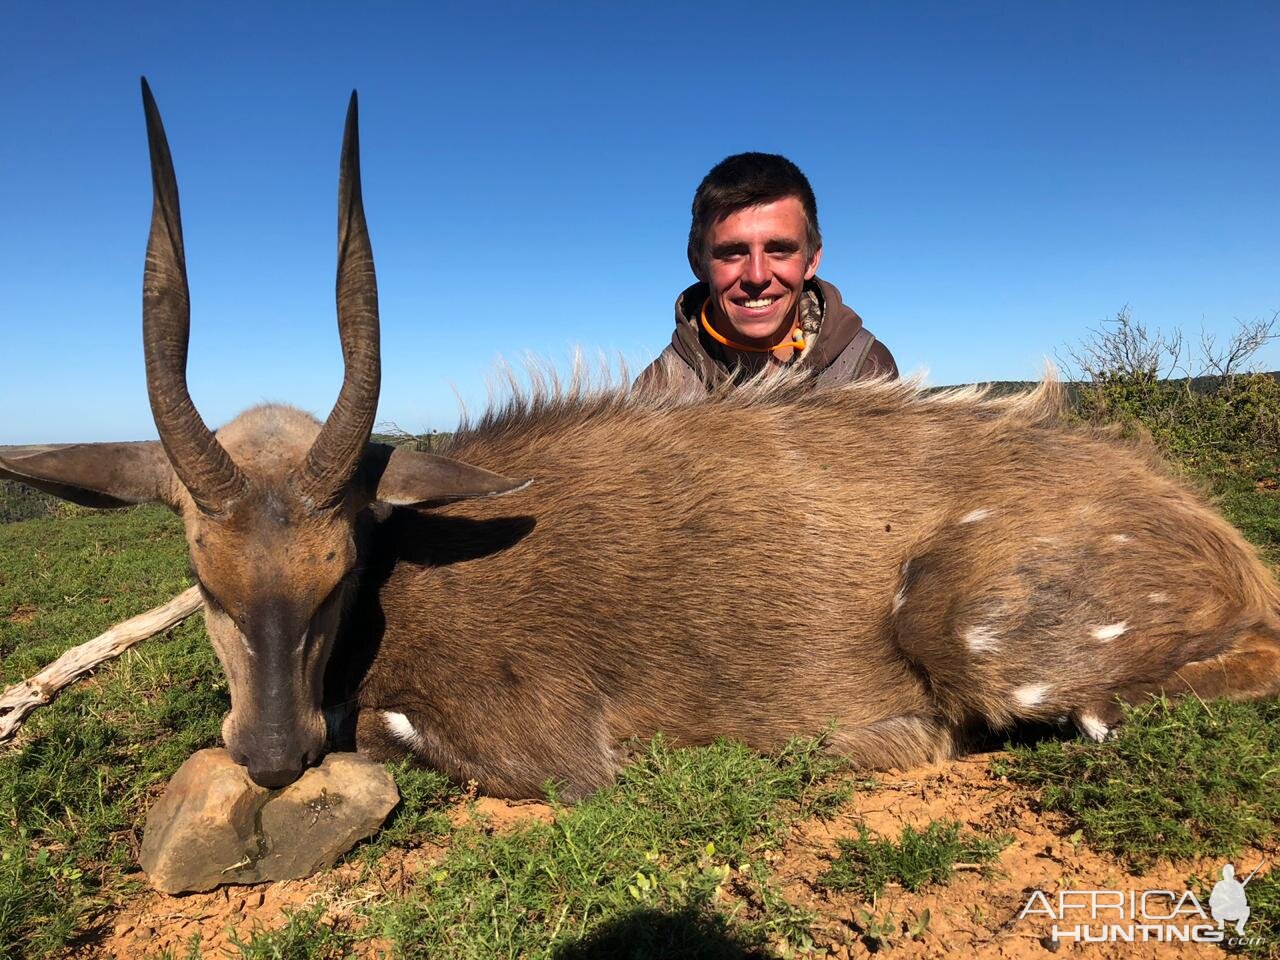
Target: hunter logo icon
[[1148, 916], [1228, 902]]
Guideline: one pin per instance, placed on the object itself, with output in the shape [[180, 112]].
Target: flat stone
[[202, 825], [214, 825], [314, 821]]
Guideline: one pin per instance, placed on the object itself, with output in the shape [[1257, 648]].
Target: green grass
[[306, 935], [1180, 779], [21, 502], [680, 832], [1227, 439], [425, 796], [867, 864], [668, 861], [73, 791]]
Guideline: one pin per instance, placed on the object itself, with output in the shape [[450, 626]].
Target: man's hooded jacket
[[839, 349]]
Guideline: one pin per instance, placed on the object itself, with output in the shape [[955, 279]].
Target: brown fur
[[729, 566]]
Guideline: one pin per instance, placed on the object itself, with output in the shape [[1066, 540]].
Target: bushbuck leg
[[902, 742], [577, 755], [1008, 619], [1250, 670]]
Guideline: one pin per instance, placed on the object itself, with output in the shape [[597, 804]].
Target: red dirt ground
[[976, 915]]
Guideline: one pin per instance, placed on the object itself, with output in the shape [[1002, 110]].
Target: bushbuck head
[[271, 501]]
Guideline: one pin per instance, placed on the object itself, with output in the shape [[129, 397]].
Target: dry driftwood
[[21, 698]]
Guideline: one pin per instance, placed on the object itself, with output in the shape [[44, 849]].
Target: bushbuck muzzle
[[276, 728]]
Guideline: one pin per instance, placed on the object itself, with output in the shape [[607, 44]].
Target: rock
[[319, 818], [214, 825], [202, 825]]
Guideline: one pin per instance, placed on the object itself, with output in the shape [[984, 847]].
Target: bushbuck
[[902, 568]]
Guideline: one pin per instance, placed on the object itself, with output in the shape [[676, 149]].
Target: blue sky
[[992, 180]]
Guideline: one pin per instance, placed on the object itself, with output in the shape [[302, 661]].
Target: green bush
[[20, 502], [915, 860], [1178, 779]]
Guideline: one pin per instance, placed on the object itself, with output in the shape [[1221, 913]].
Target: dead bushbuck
[[907, 568]]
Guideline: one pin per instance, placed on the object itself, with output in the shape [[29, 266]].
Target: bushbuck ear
[[95, 474], [405, 478]]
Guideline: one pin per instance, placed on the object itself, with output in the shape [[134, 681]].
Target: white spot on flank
[[1110, 631], [1158, 597], [899, 599], [973, 516], [1120, 538], [1093, 728], [981, 639], [1030, 695], [402, 730]]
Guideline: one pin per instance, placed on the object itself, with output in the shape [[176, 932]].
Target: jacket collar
[[714, 363]]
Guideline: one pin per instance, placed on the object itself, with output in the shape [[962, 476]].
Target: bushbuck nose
[[275, 772]]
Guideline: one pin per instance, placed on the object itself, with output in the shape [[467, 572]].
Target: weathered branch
[[21, 698]]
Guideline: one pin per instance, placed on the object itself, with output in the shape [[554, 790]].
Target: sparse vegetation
[[1221, 426], [306, 935], [916, 859], [884, 932], [1178, 779], [669, 837], [20, 502], [649, 862], [72, 795], [424, 797]]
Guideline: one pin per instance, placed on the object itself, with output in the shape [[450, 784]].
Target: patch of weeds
[[1224, 432], [778, 921], [21, 502], [1255, 511], [306, 935], [866, 865], [1178, 779], [666, 840], [883, 932], [192, 952], [421, 815]]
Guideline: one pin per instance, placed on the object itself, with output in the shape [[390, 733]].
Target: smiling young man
[[754, 246]]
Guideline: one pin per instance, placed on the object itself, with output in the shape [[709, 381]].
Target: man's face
[[756, 266]]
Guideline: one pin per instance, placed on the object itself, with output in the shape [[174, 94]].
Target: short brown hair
[[748, 180]]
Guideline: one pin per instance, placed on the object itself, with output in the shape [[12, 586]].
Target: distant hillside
[[1004, 387]]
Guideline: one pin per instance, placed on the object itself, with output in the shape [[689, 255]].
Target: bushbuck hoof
[[1098, 722]]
